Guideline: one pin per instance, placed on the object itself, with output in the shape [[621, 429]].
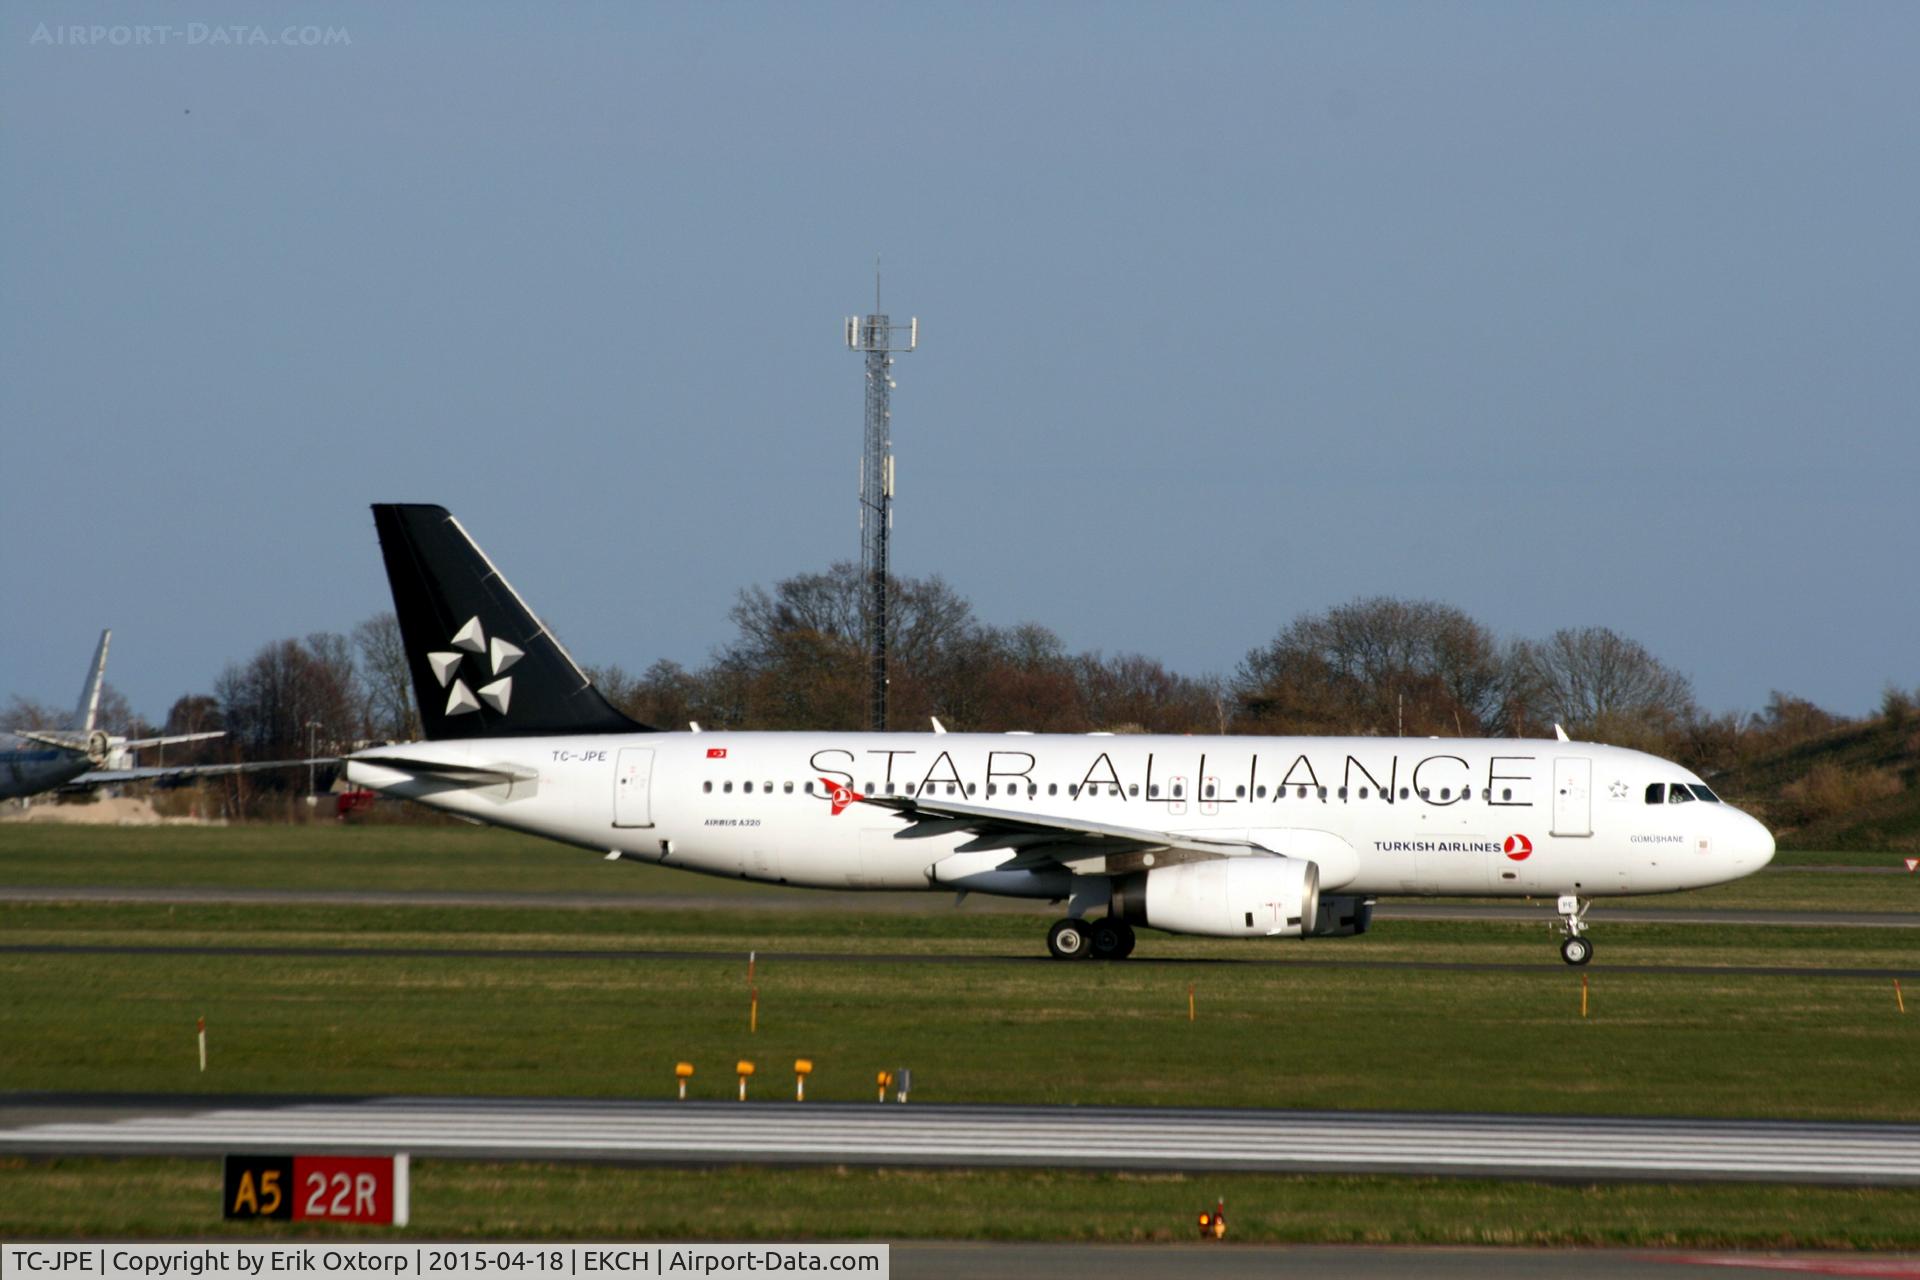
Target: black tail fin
[[483, 665]]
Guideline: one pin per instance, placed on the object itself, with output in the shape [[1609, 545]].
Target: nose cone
[[1749, 845]]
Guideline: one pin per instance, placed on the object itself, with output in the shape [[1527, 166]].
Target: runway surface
[[1604, 910], [1506, 1146]]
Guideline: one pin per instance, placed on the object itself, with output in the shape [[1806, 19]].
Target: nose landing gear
[[1575, 949]]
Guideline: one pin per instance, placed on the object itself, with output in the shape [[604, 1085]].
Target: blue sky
[[1562, 314]]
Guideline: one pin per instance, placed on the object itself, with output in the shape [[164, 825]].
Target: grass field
[[395, 858], [477, 1200], [1329, 1023]]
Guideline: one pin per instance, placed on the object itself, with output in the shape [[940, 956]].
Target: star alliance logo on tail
[[446, 666]]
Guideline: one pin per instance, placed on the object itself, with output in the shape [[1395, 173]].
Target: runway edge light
[[683, 1071], [802, 1068], [745, 1069]]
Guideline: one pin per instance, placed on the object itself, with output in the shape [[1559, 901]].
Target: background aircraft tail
[[483, 665], [88, 711]]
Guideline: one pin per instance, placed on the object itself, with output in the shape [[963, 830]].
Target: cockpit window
[[1656, 793], [1702, 792], [1678, 794]]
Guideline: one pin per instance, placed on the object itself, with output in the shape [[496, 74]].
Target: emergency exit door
[[1572, 796], [633, 788]]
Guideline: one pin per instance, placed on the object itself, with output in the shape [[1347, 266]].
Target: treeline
[[1377, 666]]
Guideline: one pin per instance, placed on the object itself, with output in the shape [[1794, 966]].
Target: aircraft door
[[633, 788], [1572, 796]]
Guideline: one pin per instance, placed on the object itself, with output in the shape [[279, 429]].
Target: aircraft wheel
[[1126, 939], [1108, 942], [1069, 939], [1576, 950]]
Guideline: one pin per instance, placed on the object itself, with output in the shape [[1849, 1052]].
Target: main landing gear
[[1574, 949], [1107, 939]]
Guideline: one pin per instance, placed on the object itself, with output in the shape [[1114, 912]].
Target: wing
[[1040, 841], [108, 777]]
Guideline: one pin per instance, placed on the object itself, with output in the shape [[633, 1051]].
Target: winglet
[[937, 726], [1560, 734]]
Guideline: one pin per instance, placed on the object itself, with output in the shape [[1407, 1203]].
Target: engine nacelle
[[1248, 897], [99, 747], [1341, 916]]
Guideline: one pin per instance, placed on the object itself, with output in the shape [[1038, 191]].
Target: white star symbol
[[446, 666], [1619, 790]]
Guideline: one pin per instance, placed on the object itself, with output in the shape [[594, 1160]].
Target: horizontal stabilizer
[[466, 775]]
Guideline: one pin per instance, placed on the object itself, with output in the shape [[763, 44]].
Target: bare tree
[[1378, 665], [799, 660], [386, 678], [272, 702], [1603, 685]]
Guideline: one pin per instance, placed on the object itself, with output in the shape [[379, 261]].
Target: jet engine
[[1246, 897], [1342, 916]]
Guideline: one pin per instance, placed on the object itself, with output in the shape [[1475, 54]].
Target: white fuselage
[[1379, 816]]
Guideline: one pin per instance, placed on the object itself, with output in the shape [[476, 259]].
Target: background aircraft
[[70, 757]]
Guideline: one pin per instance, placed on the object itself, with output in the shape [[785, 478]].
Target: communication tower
[[879, 339]]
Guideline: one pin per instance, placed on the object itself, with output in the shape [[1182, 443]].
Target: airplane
[[1227, 836], [68, 758]]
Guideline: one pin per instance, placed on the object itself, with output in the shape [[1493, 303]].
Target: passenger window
[[1506, 793], [807, 787], [973, 788], [1033, 789], [1178, 791], [787, 787], [1656, 793], [1303, 793], [950, 790], [1073, 790], [768, 788], [1426, 793], [1363, 793], [990, 791], [1134, 790], [1239, 793], [707, 787], [1053, 788], [1323, 793], [1343, 793], [1153, 791], [1403, 793], [1446, 793], [727, 787], [747, 787], [1261, 791]]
